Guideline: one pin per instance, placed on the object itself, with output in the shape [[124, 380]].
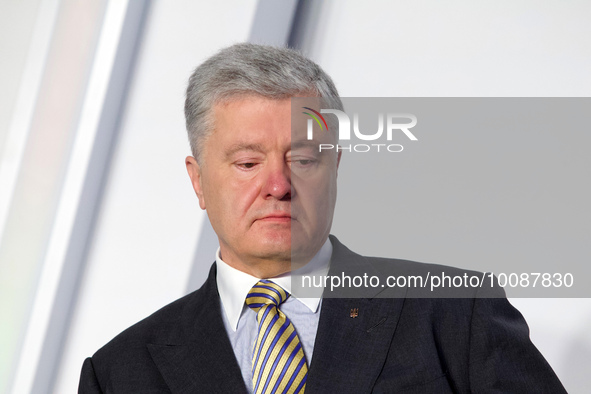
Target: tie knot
[[264, 293]]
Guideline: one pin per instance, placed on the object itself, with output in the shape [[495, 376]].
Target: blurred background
[[99, 225]]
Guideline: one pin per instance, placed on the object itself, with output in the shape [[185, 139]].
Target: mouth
[[277, 217]]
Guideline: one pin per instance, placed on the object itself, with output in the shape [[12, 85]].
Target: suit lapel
[[199, 357], [349, 352]]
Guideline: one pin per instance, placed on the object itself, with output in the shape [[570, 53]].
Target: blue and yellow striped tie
[[278, 360]]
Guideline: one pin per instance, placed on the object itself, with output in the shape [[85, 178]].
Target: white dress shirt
[[240, 320]]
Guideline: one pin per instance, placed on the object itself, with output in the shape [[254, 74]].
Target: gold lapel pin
[[354, 312]]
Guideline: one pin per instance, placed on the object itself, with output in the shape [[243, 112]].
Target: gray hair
[[249, 69]]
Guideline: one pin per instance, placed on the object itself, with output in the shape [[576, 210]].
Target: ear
[[194, 171]]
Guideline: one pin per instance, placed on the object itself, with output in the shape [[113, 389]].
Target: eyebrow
[[242, 146], [245, 146], [304, 144]]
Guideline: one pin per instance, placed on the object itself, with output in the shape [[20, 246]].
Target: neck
[[268, 266]]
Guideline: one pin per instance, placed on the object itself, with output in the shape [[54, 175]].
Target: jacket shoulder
[[127, 358], [412, 279]]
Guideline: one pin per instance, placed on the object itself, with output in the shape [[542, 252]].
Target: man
[[270, 198]]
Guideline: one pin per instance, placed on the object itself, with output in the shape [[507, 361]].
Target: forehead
[[247, 107], [250, 121], [250, 116], [255, 121]]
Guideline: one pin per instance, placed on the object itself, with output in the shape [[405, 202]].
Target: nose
[[277, 183]]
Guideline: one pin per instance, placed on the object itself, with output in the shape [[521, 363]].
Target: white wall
[[142, 250], [17, 25], [460, 48], [17, 21]]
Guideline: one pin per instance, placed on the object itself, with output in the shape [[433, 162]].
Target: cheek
[[240, 196], [327, 208], [318, 199]]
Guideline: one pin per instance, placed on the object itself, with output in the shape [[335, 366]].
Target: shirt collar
[[234, 285]]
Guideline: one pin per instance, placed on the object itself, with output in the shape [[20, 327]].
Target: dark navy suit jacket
[[399, 342]]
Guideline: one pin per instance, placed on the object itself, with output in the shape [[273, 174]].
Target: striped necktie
[[278, 360]]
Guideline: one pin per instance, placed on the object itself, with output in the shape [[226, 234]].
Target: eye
[[246, 166], [303, 162]]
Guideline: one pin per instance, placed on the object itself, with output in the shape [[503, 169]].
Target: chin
[[275, 248], [274, 238]]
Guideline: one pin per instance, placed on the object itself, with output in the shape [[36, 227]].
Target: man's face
[[267, 201]]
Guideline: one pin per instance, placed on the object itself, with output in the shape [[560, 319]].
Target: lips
[[277, 216]]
